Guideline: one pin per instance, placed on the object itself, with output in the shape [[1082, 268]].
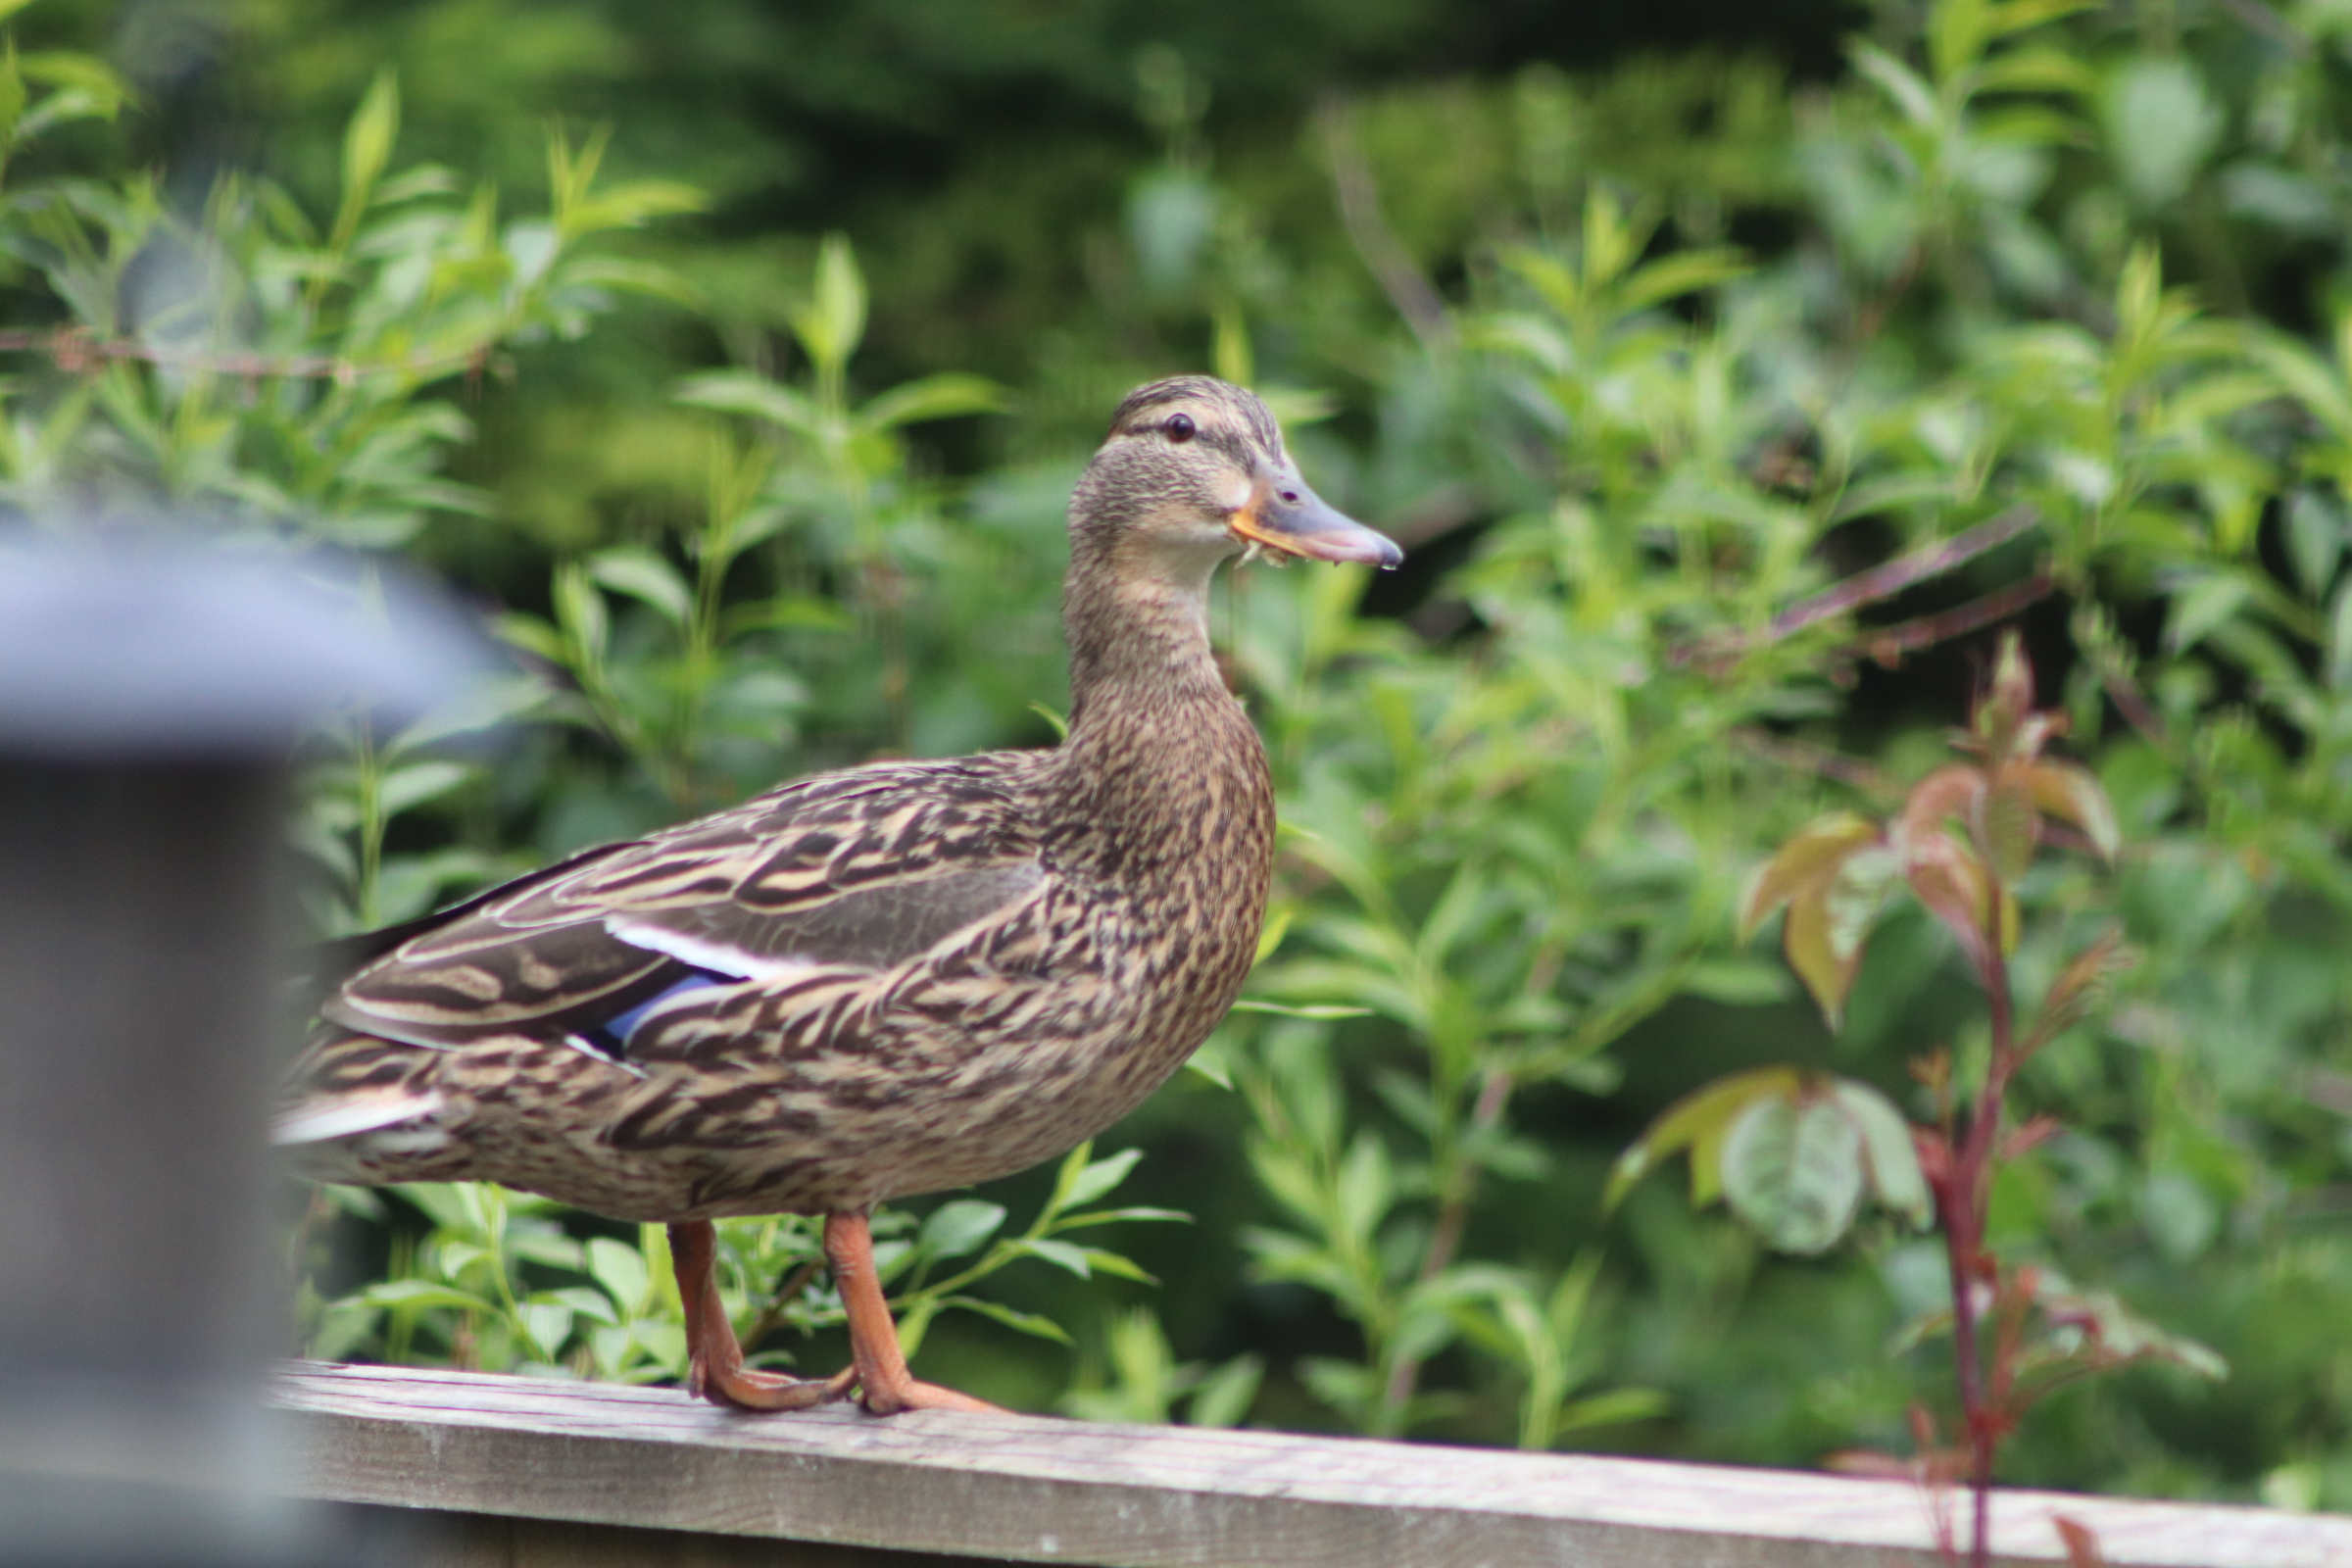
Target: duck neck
[[1138, 632], [1157, 743]]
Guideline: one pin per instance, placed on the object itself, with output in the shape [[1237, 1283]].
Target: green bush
[[1645, 367]]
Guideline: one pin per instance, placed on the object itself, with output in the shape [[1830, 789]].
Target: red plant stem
[[1966, 1194]]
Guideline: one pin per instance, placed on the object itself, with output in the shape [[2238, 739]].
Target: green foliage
[[467, 1283], [1716, 409]]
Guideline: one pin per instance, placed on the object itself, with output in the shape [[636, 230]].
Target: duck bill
[[1285, 517]]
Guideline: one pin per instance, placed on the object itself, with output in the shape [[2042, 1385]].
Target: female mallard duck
[[875, 983]]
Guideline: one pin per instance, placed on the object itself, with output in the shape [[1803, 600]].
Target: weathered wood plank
[[489, 1540], [1031, 1489]]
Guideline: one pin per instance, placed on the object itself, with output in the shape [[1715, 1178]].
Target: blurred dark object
[[150, 692]]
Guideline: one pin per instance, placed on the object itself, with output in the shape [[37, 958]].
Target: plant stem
[[1965, 1194], [1459, 1185]]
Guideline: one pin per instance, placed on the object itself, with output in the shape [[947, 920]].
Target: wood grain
[[1033, 1489]]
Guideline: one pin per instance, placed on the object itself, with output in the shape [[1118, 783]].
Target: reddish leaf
[[1953, 886], [1948, 792], [2071, 793], [1804, 863], [2082, 986]]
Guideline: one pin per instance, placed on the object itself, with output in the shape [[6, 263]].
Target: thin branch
[[74, 351], [1889, 646], [1885, 582], [1804, 756], [1399, 277], [1903, 572]]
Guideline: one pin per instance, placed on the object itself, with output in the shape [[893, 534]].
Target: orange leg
[[714, 1368], [883, 1385]]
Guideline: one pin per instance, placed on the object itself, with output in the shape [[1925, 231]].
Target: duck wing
[[861, 870]]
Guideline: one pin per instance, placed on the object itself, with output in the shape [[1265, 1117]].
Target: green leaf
[[1116, 1264], [1213, 1063], [12, 97], [2007, 16], [741, 392], [1617, 1407], [1792, 1169], [2035, 70], [1224, 1396], [960, 1227], [646, 577], [1101, 1177], [933, 397], [367, 145], [88, 88], [533, 636], [484, 705], [622, 1271], [1893, 1160], [580, 609], [546, 1324], [419, 782], [2161, 125], [550, 1246], [1030, 1323], [1684, 272], [1904, 88], [1696, 1117], [2317, 533], [414, 1294], [1284, 1010], [1119, 1216], [834, 322], [2203, 606], [1062, 1255], [585, 1303], [1736, 982]]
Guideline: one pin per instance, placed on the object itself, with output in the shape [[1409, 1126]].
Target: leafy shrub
[[1713, 443]]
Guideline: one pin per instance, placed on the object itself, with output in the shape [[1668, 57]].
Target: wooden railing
[[531, 1473]]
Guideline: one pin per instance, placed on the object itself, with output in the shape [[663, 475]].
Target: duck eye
[[1179, 427]]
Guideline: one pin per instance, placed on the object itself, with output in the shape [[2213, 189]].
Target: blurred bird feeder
[[150, 694]]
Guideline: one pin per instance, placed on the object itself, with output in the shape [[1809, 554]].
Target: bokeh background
[[748, 412]]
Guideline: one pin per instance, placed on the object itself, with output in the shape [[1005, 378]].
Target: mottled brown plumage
[[879, 982]]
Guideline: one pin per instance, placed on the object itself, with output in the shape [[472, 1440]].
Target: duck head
[[1194, 472]]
